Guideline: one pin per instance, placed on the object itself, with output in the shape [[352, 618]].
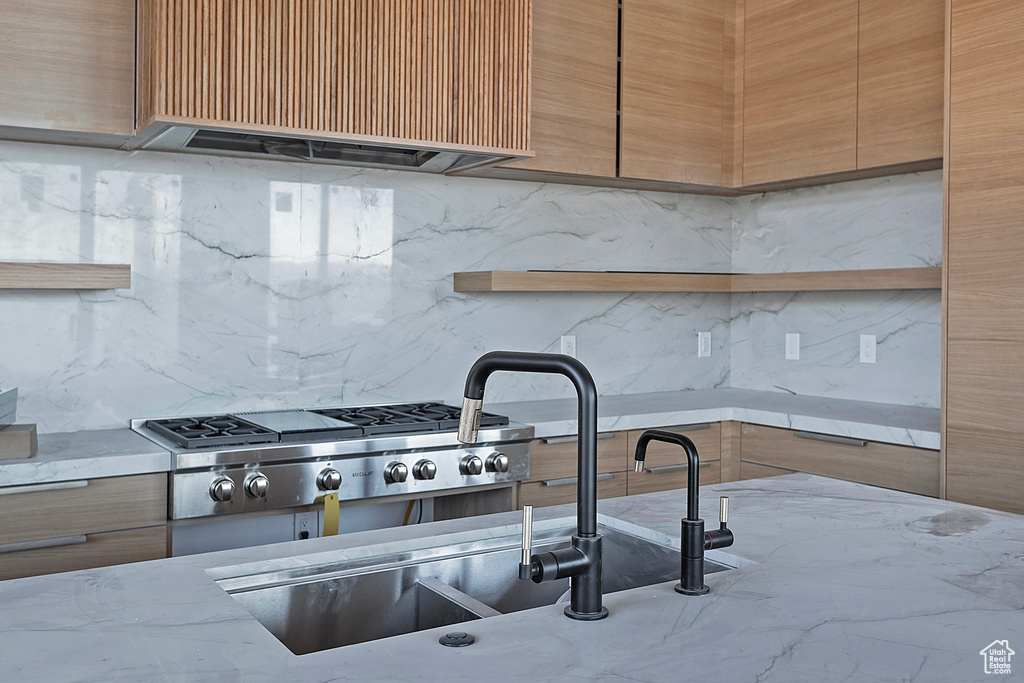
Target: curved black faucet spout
[[692, 464]]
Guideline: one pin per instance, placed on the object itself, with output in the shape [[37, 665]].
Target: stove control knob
[[329, 479], [471, 465], [497, 462], [256, 485], [222, 490], [396, 473], [424, 469]]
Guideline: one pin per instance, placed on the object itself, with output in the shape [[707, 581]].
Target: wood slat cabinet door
[[671, 89], [575, 87], [903, 468], [452, 72], [984, 256], [901, 71], [541, 493], [68, 66], [87, 552], [799, 89]]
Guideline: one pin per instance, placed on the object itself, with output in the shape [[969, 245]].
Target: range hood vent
[[236, 143]]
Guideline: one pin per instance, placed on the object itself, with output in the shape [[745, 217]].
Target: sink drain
[[456, 639]]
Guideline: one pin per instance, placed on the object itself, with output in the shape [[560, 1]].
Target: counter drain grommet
[[456, 639]]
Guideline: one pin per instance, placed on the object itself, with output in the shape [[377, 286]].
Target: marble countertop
[[86, 455], [848, 582], [888, 423]]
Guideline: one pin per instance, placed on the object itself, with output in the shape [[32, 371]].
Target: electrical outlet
[[307, 525], [569, 345], [867, 348], [792, 346], [703, 345]]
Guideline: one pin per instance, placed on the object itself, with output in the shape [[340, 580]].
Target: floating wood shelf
[[611, 281], [65, 276]]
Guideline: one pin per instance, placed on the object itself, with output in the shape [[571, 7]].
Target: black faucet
[[695, 539], [581, 563]]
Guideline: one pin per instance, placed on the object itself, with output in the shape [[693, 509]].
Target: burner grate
[[218, 430], [405, 418]]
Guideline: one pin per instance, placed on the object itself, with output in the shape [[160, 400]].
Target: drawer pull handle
[[572, 439], [572, 480], [689, 428], [814, 436], [35, 488], [45, 543], [666, 469]]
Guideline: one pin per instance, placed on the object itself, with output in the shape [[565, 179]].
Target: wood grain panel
[[65, 276], [730, 450], [732, 113], [652, 482], [579, 281], [706, 437], [448, 71], [539, 494], [672, 94], [984, 256], [103, 505], [901, 80], [749, 470], [559, 460], [800, 89], [575, 87], [68, 65], [99, 550], [896, 467]]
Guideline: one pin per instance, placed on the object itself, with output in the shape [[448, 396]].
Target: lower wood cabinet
[[70, 525], [904, 468], [669, 477], [557, 457], [542, 493], [749, 470]]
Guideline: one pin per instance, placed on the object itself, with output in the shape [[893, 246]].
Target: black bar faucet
[[581, 563], [695, 539]]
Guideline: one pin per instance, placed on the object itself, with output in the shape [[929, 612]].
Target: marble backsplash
[[262, 284]]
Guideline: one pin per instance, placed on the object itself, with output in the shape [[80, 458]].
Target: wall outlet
[[307, 525], [867, 348], [569, 345], [792, 346], [703, 345]]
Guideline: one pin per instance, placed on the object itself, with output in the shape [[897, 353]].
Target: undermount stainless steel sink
[[328, 605]]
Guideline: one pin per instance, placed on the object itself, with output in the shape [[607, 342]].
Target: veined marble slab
[[86, 455], [888, 423], [847, 582]]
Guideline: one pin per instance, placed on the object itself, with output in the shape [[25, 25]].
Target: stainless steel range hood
[[400, 155]]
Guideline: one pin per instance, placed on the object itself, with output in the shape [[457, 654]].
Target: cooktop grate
[[216, 430], [409, 417]]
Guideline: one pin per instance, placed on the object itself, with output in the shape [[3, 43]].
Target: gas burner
[[405, 418], [216, 430]]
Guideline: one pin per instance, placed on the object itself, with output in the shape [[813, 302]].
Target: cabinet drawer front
[[749, 470], [99, 505], [649, 482], [557, 460], [98, 550], [896, 467], [540, 494], [707, 437]]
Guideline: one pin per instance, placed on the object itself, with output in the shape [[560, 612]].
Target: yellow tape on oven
[[331, 514]]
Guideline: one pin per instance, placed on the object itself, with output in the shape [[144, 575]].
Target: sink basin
[[328, 605]]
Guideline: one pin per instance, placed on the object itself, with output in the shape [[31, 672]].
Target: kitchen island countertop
[[849, 582]]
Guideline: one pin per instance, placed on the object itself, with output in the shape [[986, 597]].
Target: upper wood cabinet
[[451, 72], [799, 89], [673, 57], [899, 108], [68, 67], [575, 87]]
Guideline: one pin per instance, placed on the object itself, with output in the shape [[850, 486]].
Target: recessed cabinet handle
[[572, 480], [45, 543], [689, 428], [666, 469], [571, 439], [35, 488], [814, 436]]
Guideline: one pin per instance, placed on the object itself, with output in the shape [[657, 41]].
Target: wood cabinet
[[455, 73], [68, 68], [672, 94], [799, 89], [82, 524], [903, 468], [575, 87], [557, 457], [984, 256], [540, 493], [900, 81]]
